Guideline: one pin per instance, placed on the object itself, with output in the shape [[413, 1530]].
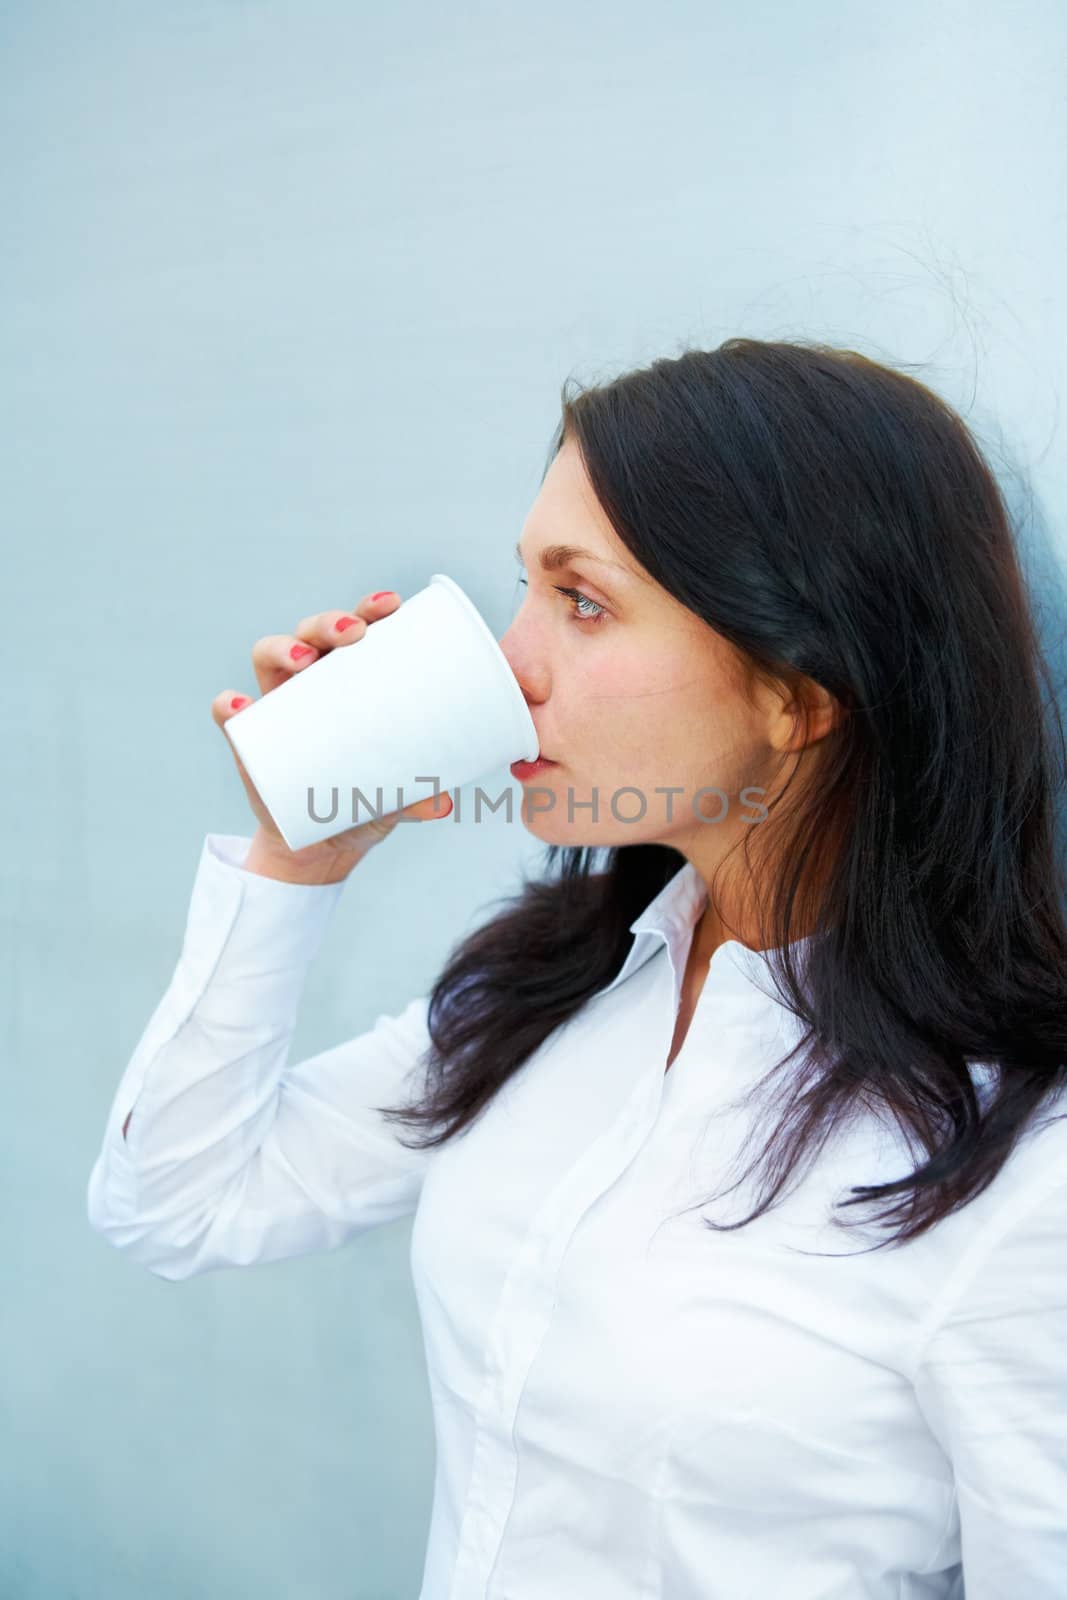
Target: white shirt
[[626, 1404]]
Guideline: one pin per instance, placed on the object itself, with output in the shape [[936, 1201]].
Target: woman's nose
[[521, 657]]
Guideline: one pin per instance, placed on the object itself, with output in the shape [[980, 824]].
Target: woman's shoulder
[[1027, 1189], [1022, 1211], [1039, 1150]]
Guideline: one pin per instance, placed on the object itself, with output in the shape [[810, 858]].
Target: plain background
[[289, 291]]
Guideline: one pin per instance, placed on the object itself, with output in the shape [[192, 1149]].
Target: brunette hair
[[835, 520]]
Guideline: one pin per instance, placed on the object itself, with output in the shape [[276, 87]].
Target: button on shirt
[[626, 1403]]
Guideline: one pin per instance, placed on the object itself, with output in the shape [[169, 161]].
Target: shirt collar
[[669, 919]]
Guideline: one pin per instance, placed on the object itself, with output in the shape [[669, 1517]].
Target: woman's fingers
[[277, 656], [227, 703]]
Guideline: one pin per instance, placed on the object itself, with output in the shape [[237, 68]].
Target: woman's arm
[[992, 1383], [216, 1152]]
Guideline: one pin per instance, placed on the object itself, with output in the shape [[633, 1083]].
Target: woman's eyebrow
[[554, 556]]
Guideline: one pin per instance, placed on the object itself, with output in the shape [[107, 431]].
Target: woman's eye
[[578, 600]]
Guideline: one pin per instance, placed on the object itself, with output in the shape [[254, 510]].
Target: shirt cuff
[[248, 943], [243, 926]]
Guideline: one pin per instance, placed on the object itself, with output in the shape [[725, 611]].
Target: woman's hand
[[276, 657]]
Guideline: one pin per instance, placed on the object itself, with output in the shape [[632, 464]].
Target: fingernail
[[300, 650], [345, 622], [383, 594], [240, 700]]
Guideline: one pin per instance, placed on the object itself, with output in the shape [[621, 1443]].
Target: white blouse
[[626, 1404]]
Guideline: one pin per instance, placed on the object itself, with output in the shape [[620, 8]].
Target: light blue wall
[[289, 291]]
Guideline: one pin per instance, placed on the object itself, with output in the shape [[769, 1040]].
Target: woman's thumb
[[431, 806]]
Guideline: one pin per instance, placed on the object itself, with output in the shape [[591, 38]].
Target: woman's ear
[[805, 716]]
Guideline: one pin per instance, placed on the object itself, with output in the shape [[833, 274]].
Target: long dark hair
[[834, 519]]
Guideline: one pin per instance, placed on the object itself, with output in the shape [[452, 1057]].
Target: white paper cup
[[425, 694]]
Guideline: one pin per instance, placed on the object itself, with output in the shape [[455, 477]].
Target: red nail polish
[[345, 622], [299, 651], [238, 701], [383, 594]]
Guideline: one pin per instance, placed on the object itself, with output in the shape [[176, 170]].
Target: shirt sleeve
[[992, 1384], [232, 1156]]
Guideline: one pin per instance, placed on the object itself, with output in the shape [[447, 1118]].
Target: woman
[[792, 690]]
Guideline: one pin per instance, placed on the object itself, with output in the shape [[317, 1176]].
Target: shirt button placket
[[494, 1464], [522, 1318]]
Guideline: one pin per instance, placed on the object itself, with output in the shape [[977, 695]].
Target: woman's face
[[631, 694]]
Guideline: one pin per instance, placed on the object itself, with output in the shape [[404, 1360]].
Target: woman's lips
[[528, 769]]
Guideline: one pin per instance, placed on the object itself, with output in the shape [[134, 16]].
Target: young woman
[[740, 1197]]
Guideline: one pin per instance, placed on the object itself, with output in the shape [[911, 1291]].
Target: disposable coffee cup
[[425, 696]]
